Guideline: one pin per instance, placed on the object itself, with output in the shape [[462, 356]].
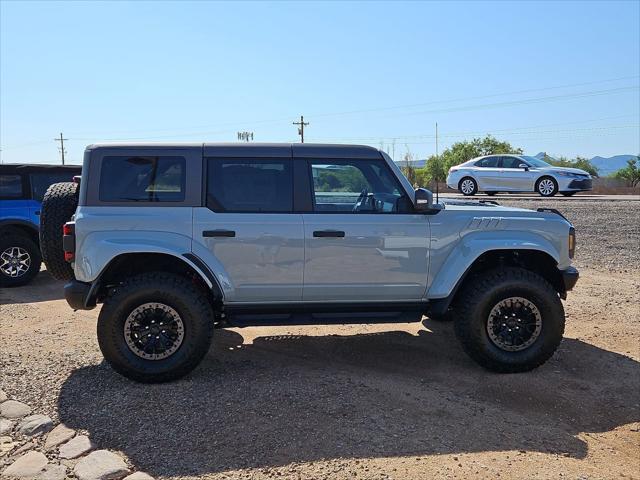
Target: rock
[[35, 425], [53, 472], [58, 435], [6, 445], [6, 426], [24, 448], [27, 466], [101, 465], [14, 409], [139, 476], [76, 447], [3, 396]]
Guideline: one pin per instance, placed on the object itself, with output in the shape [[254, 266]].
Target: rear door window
[[490, 162], [142, 179], [250, 185], [40, 182], [10, 186]]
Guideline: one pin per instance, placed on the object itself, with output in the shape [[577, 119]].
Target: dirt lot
[[383, 401]]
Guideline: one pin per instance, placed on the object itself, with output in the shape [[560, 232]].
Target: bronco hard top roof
[[18, 168], [303, 150]]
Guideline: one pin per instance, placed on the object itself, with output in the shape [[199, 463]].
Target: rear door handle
[[328, 233], [218, 233]]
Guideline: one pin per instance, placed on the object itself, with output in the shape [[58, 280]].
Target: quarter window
[[10, 186], [142, 179], [355, 186], [250, 185]]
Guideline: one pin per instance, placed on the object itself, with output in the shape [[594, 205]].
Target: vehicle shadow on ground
[[285, 399], [42, 288]]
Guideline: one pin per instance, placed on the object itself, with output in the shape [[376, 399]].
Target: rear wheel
[[509, 320], [58, 206], [547, 187], [468, 186], [156, 327], [491, 194], [568, 194], [19, 260]]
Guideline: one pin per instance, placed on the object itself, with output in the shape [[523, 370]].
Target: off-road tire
[[59, 204], [175, 291], [11, 239], [482, 292], [471, 192], [552, 192]]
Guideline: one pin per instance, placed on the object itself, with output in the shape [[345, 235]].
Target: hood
[[566, 169]]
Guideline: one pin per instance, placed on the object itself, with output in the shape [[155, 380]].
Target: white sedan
[[516, 173]]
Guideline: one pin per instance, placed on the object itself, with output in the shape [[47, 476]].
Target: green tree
[[630, 173]]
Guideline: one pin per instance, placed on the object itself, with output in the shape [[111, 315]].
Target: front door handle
[[218, 233], [328, 233]]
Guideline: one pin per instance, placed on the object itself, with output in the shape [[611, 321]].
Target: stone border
[[31, 447]]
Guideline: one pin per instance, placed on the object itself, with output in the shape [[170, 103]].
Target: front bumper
[[79, 295], [570, 278]]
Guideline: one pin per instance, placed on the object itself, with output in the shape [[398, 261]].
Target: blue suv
[[22, 188]]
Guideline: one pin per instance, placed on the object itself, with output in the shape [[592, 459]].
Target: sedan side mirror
[[525, 166], [423, 200]]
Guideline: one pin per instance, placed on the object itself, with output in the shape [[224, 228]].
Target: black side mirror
[[423, 200], [525, 166]]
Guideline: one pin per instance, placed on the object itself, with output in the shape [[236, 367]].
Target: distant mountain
[[605, 165]]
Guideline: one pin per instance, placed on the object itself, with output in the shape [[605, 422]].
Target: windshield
[[536, 162]]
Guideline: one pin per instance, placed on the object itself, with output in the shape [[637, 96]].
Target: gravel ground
[[608, 233], [395, 401]]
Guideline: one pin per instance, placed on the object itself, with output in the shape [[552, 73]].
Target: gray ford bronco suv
[[177, 240]]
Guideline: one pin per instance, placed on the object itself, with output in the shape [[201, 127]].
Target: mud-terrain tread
[[472, 307], [13, 239], [178, 292], [58, 205]]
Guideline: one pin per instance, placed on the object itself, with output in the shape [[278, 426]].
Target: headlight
[[572, 242], [568, 174]]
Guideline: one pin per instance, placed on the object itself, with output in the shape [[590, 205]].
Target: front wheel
[[155, 327], [547, 187], [468, 186], [509, 320]]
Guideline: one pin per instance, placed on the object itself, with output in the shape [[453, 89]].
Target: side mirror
[[423, 200], [525, 166]]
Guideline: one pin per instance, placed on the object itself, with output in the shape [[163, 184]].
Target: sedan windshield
[[536, 162]]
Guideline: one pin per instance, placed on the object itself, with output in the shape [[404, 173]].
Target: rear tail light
[[69, 241], [572, 242]]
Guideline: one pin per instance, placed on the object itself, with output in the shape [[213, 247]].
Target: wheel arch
[[20, 226], [133, 263], [536, 260]]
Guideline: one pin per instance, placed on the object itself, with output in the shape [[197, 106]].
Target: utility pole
[[437, 163], [301, 124], [61, 140]]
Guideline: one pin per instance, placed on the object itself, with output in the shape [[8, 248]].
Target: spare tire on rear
[[58, 206]]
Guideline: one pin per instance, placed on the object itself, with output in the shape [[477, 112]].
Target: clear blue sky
[[359, 72]]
